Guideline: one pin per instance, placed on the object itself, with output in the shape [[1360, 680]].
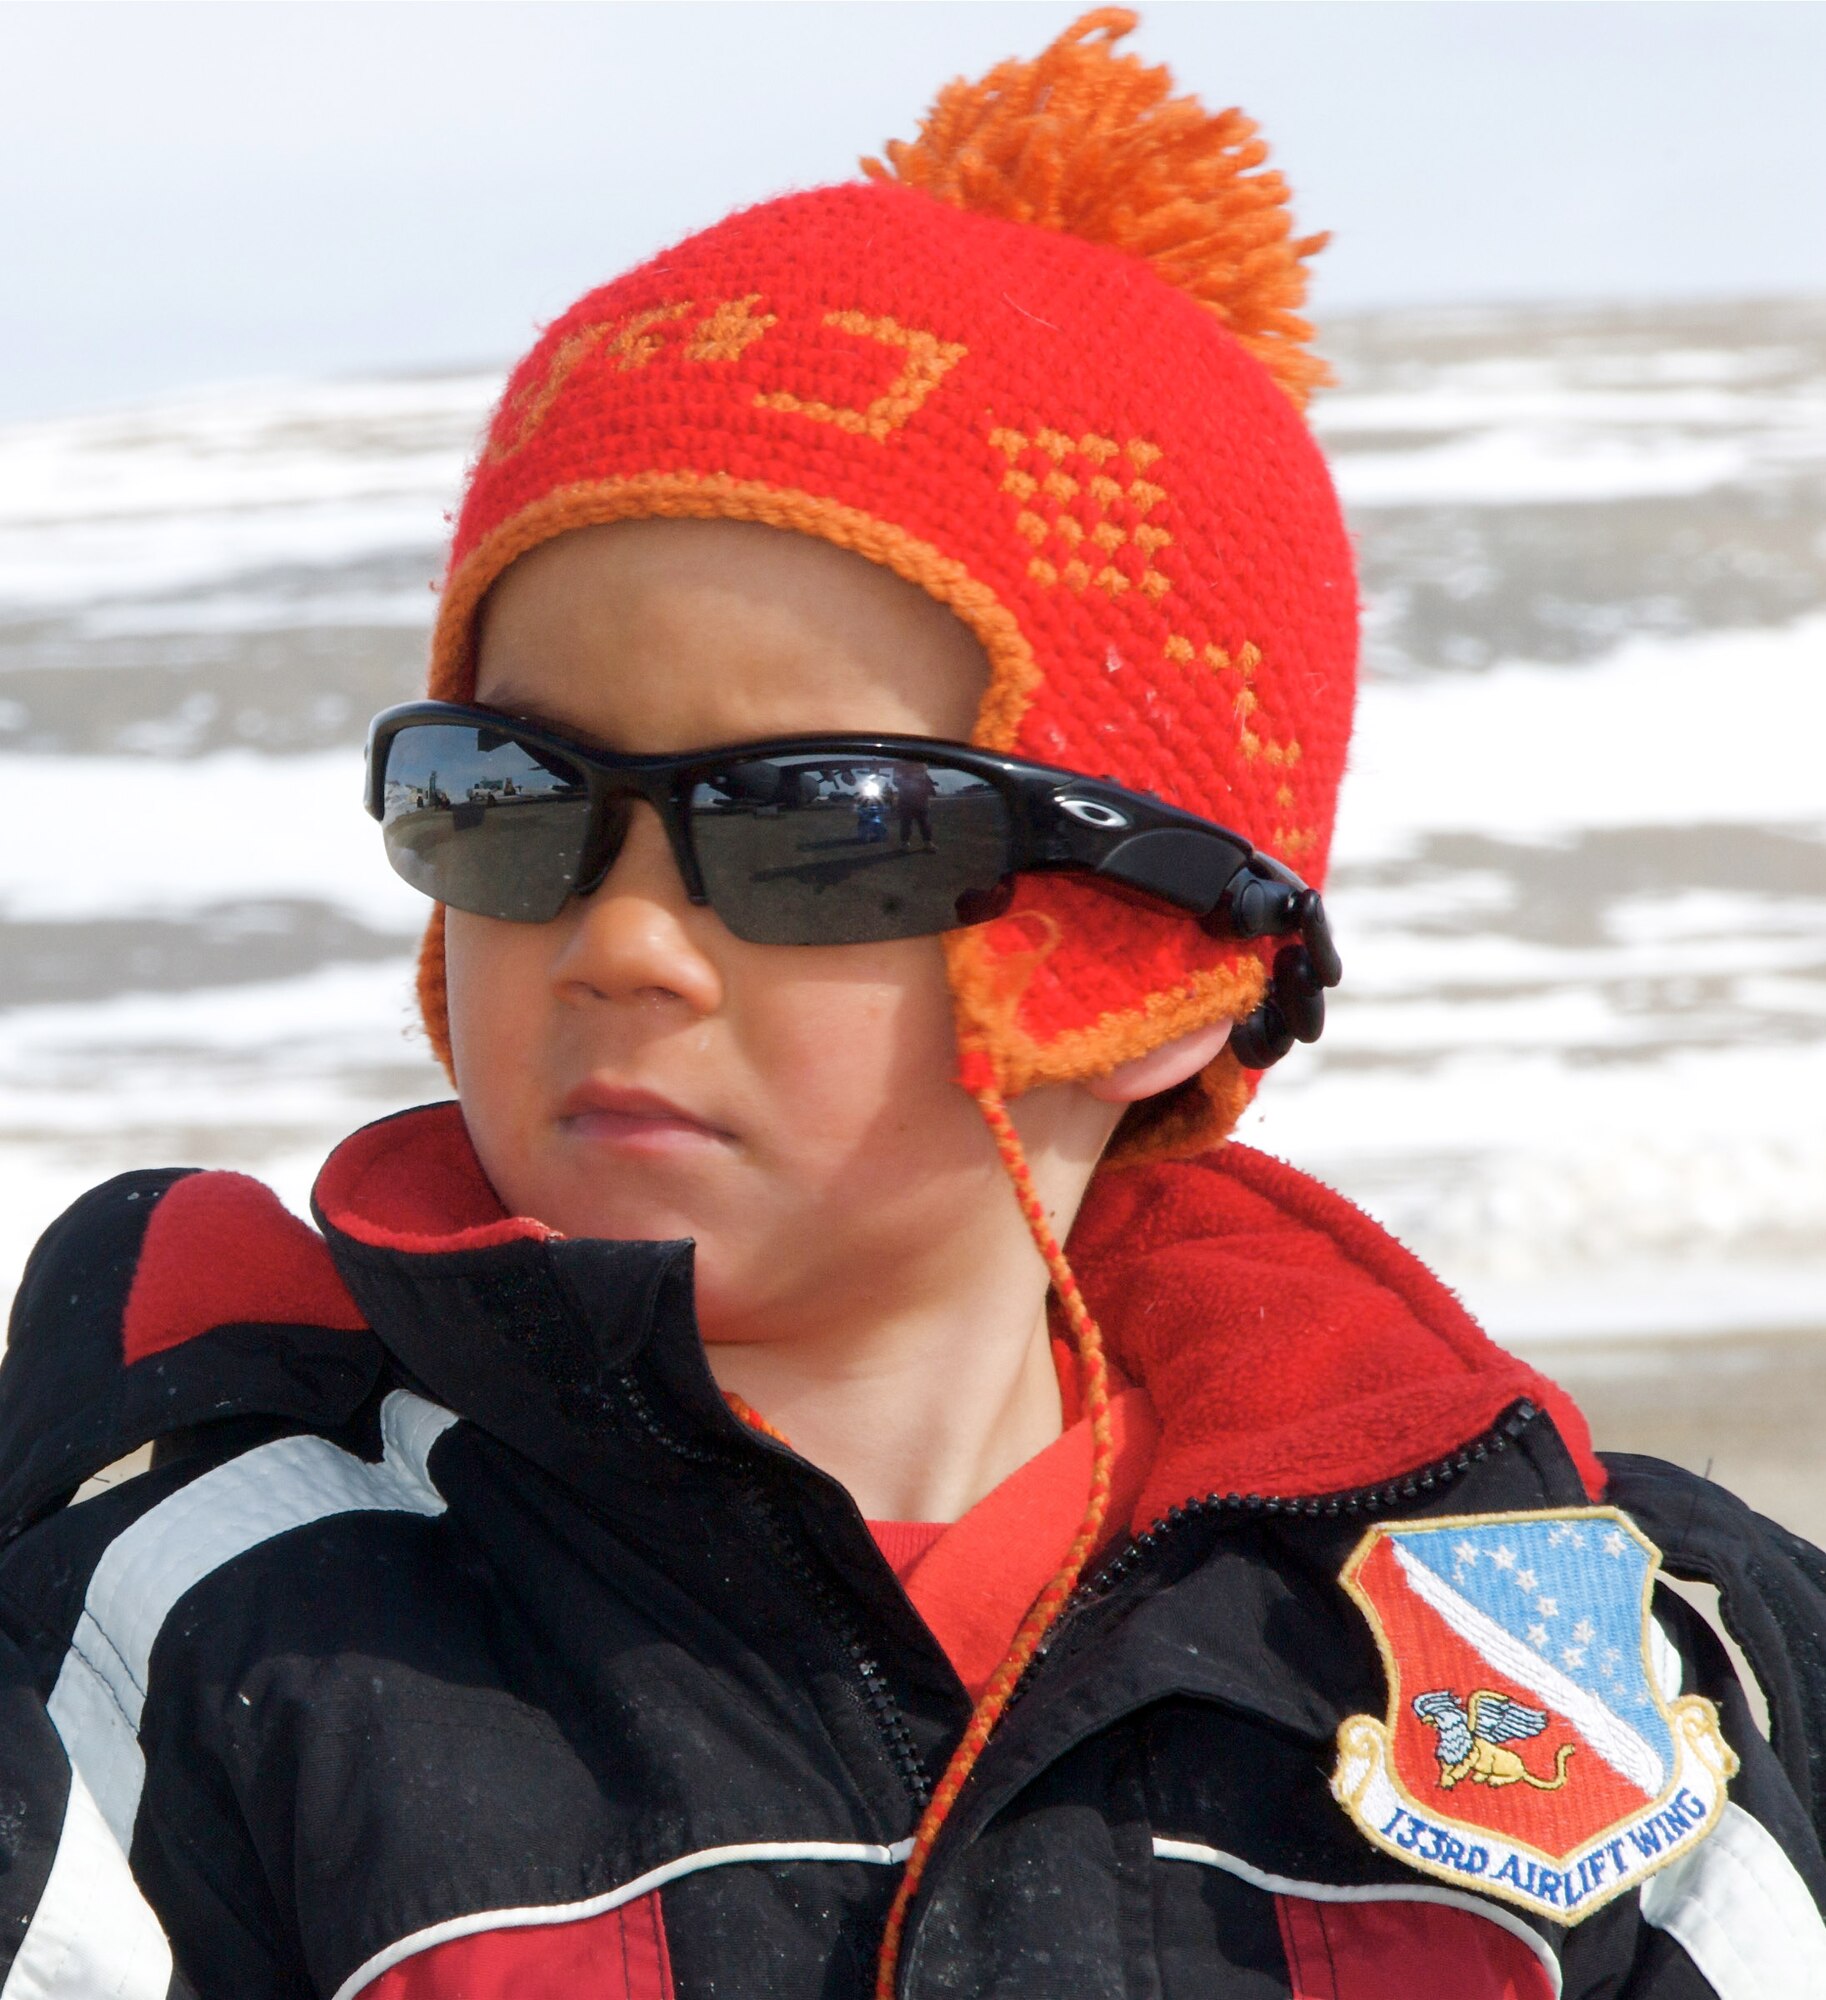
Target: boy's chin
[[625, 1221], [662, 1199]]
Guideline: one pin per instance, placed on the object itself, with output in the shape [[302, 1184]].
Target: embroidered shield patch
[[1529, 1750]]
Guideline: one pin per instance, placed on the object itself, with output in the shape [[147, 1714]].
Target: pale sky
[[191, 194]]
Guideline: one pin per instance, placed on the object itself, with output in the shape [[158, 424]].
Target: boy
[[658, 1540]]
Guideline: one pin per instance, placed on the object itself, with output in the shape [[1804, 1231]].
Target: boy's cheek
[[495, 997], [884, 1009]]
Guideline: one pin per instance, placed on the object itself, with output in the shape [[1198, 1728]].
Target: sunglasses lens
[[846, 849], [482, 822]]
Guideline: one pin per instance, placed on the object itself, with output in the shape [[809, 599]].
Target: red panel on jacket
[[222, 1249], [619, 1955], [1404, 1951]]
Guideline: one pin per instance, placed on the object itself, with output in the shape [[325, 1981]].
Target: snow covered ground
[[1580, 880]]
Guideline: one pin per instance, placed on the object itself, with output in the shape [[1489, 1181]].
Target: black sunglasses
[[821, 840]]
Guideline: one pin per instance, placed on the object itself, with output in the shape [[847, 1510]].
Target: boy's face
[[631, 1069]]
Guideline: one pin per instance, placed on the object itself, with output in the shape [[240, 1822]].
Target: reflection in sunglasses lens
[[481, 822], [847, 849]]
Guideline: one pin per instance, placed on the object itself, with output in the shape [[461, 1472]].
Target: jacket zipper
[[1143, 1548], [877, 1697]]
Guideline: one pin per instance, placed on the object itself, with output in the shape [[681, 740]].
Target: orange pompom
[[1094, 144]]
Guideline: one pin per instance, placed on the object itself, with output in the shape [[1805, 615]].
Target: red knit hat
[[1052, 374]]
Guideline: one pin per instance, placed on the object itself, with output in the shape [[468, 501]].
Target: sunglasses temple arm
[[1189, 868], [1232, 890]]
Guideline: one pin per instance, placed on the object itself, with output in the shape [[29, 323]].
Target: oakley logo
[[1093, 812], [722, 332]]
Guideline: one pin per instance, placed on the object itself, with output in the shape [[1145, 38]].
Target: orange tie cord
[[746, 1413], [977, 1076]]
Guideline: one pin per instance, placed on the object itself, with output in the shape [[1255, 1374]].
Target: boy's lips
[[616, 1114]]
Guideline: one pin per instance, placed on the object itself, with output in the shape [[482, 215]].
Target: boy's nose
[[637, 935]]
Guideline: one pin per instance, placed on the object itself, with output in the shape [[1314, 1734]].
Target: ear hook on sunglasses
[[1293, 1008]]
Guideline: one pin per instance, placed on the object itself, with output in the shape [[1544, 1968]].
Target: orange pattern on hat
[[1116, 502], [928, 361]]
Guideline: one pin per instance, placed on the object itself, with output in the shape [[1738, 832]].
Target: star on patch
[[1503, 1556], [1548, 1607], [1613, 1543], [1526, 1582]]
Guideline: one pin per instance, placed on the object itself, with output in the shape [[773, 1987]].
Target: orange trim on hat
[[1014, 673]]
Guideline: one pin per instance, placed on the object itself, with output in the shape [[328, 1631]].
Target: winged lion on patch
[[1472, 1739]]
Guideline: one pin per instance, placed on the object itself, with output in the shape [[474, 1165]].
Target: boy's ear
[[1164, 1068]]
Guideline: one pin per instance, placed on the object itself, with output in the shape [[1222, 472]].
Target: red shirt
[[973, 1579]]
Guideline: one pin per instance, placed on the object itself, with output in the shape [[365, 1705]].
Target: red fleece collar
[[1290, 1345], [413, 1183]]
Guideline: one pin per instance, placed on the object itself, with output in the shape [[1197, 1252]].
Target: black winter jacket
[[461, 1643]]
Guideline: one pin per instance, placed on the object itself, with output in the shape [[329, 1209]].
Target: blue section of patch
[[1571, 1591]]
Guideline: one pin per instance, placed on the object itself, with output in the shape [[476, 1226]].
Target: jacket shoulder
[[1772, 1597], [160, 1301]]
